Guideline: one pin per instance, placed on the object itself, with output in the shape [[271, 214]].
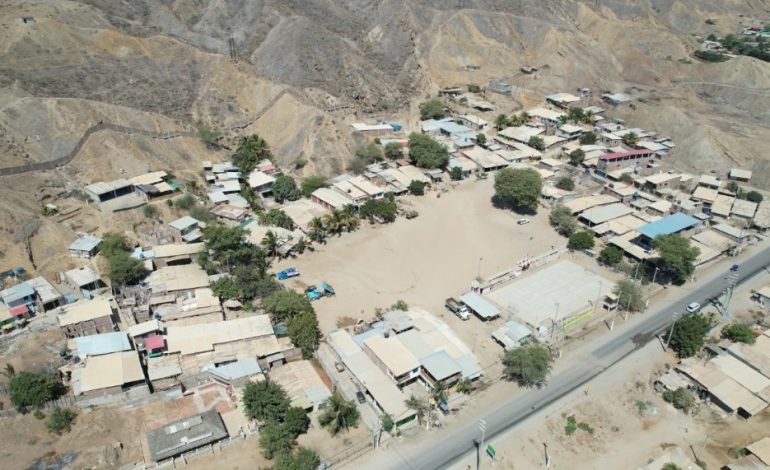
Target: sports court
[[557, 293]]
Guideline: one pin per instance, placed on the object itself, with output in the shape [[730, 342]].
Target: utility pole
[[671, 331], [655, 274], [478, 275], [483, 429], [547, 455]]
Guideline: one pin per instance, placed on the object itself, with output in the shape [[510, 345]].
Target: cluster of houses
[[736, 378], [123, 194]]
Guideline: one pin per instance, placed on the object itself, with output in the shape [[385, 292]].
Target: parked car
[[360, 397], [522, 221], [693, 307], [735, 267], [287, 273], [457, 307], [315, 293]]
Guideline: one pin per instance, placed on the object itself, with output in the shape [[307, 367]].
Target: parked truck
[[458, 308]]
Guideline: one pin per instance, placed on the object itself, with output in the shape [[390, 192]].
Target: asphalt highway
[[441, 449]]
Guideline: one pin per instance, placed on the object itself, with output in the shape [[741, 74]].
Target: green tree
[[733, 187], [185, 202], [394, 150], [630, 139], [32, 390], [576, 157], [417, 188], [456, 173], [501, 122], [285, 189], [357, 166], [536, 143], [113, 243], [629, 295], [425, 152], [689, 334], [339, 414], [575, 115], [562, 220], [304, 332], [296, 421], [676, 256], [566, 183], [528, 365], [201, 214], [681, 398], [518, 120], [582, 240], [275, 439], [369, 153], [739, 333], [317, 230], [302, 459], [520, 187], [209, 135], [387, 422], [419, 406], [270, 243], [379, 208], [222, 238], [150, 211], [589, 138], [251, 150], [125, 270], [311, 183], [626, 178], [481, 139], [277, 218], [610, 255], [710, 56], [432, 109], [754, 196], [284, 304], [265, 401], [60, 421], [226, 288]]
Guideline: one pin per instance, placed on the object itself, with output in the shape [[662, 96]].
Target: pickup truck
[[287, 273], [457, 307]]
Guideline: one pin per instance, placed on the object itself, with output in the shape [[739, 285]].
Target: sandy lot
[[425, 260]]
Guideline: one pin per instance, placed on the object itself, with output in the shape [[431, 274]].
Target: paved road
[[441, 449]]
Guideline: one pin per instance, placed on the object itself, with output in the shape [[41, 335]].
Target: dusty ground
[[424, 260]]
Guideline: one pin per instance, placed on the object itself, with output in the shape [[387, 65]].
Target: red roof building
[[19, 310], [152, 343], [635, 159]]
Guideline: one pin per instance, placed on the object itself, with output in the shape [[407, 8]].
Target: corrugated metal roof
[[236, 370], [184, 222], [480, 305], [85, 243], [668, 225], [17, 292], [440, 365], [105, 343]]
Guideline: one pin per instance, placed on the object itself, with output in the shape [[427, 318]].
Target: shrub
[[582, 240], [710, 56], [417, 188], [32, 390], [681, 398], [566, 183], [610, 255], [739, 334], [60, 421]]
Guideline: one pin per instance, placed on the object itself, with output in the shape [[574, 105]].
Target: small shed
[[481, 307], [85, 246]]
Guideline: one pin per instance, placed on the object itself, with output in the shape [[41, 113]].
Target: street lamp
[[671, 331], [478, 275]]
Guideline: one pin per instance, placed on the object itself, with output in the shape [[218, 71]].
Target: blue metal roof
[[440, 365], [105, 343], [480, 305], [666, 226], [17, 292], [85, 243], [236, 370]]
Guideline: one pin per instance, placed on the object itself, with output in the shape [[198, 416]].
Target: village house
[[199, 306], [186, 230], [235, 373], [616, 99], [86, 246], [107, 374], [373, 129], [500, 86], [331, 199], [636, 159], [141, 331], [569, 132], [102, 192], [177, 280], [393, 359], [547, 117], [736, 174], [19, 295], [472, 121], [743, 210], [86, 317], [302, 384], [185, 435], [175, 254], [562, 100], [84, 279], [231, 213], [485, 159], [261, 183]]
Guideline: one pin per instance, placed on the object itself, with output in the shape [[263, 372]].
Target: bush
[[577, 157], [566, 183], [60, 421], [610, 255], [536, 143], [710, 56], [739, 334], [150, 211], [589, 138], [754, 196], [689, 334], [285, 189], [32, 390], [303, 459], [387, 422], [681, 398], [185, 202], [278, 218], [582, 240], [629, 295], [311, 183], [562, 220], [417, 188], [394, 151], [201, 214], [265, 401], [473, 88], [38, 414], [379, 208], [481, 139], [456, 173]]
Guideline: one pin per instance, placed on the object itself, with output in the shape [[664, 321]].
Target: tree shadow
[[507, 204]]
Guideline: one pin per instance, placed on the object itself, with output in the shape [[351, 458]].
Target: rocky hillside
[[298, 71]]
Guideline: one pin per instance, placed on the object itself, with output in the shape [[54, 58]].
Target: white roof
[[193, 339], [149, 178], [366, 186], [484, 157], [177, 249], [464, 163], [731, 231], [362, 127], [218, 197], [45, 290], [563, 98], [414, 173], [472, 118], [350, 190], [520, 133], [662, 177], [258, 178], [392, 354], [145, 327], [82, 276], [740, 174], [709, 180], [570, 128], [552, 162], [705, 194], [651, 146], [598, 215], [743, 208], [110, 370], [582, 203], [544, 113], [332, 197], [85, 310], [302, 211], [176, 278], [184, 223], [722, 205], [105, 187]]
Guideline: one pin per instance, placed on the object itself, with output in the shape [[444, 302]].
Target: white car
[[522, 221], [693, 307]]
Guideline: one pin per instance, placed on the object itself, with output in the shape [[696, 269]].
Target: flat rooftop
[[558, 292]]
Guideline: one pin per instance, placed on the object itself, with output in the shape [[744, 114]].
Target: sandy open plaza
[[554, 293], [424, 260]]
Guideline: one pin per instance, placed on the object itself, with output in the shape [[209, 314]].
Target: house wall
[[91, 327], [607, 166]]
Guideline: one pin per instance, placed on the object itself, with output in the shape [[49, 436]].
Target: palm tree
[[588, 117], [418, 405], [351, 222], [334, 221], [270, 243], [439, 393], [317, 229], [465, 386], [339, 414]]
